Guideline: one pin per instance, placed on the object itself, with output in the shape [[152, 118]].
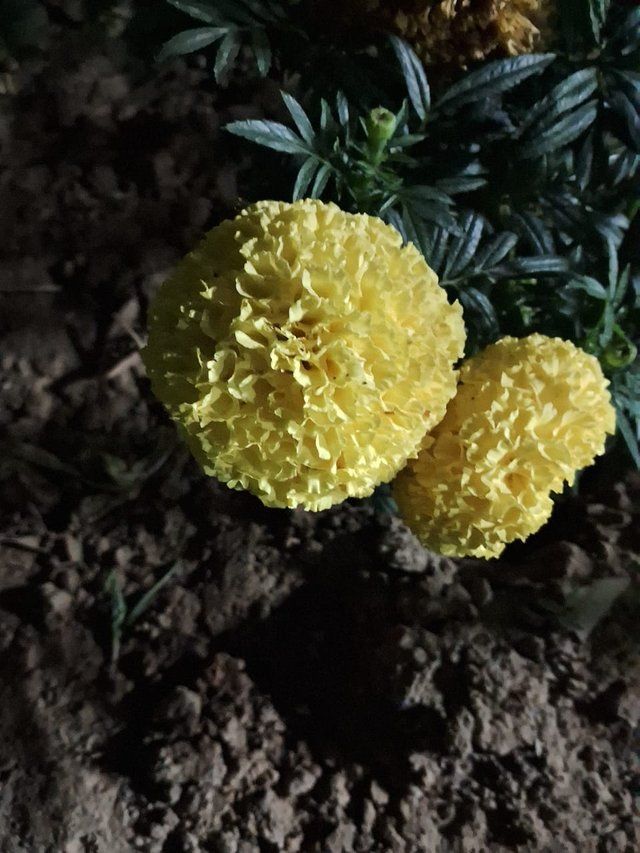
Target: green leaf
[[435, 212], [200, 11], [588, 285], [535, 231], [190, 41], [496, 250], [327, 122], [565, 131], [342, 106], [623, 165], [577, 24], [414, 229], [147, 598], [563, 98], [406, 140], [438, 250], [464, 245], [493, 79], [623, 106], [598, 10], [549, 265], [321, 180], [300, 117], [226, 54], [630, 436], [584, 161], [304, 178], [420, 193], [461, 184], [271, 134], [394, 218], [414, 76], [261, 51], [118, 612], [474, 300]]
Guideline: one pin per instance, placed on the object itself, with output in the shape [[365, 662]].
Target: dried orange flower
[[457, 32]]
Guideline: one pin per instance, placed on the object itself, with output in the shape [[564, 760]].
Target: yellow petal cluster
[[457, 32], [304, 352], [528, 414]]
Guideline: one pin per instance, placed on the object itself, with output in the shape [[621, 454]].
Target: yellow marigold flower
[[528, 414], [457, 32], [304, 352]]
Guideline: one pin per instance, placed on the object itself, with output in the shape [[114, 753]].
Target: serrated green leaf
[[461, 184], [464, 246], [321, 180], [622, 105], [598, 10], [438, 252], [406, 140], [494, 79], [414, 76], [342, 106], [226, 55], [147, 598], [271, 134], [422, 193], [479, 303], [588, 285], [299, 117], [304, 177], [190, 41], [584, 161], [495, 251], [565, 131], [261, 51], [542, 265], [394, 219], [563, 98], [434, 211], [327, 122]]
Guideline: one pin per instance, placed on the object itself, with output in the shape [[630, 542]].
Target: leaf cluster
[[229, 25], [519, 182]]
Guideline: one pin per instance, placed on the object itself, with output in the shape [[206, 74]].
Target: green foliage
[[518, 182], [230, 24], [121, 615]]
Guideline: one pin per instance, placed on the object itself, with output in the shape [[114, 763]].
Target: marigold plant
[[304, 352], [528, 414]]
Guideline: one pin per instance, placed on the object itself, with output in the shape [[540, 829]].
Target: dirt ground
[[300, 682]]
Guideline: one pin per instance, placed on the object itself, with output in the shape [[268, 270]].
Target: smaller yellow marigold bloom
[[304, 352], [528, 414]]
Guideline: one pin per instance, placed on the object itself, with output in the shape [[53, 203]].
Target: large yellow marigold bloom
[[304, 352], [528, 414], [457, 32]]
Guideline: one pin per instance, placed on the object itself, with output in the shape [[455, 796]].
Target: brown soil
[[301, 682]]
